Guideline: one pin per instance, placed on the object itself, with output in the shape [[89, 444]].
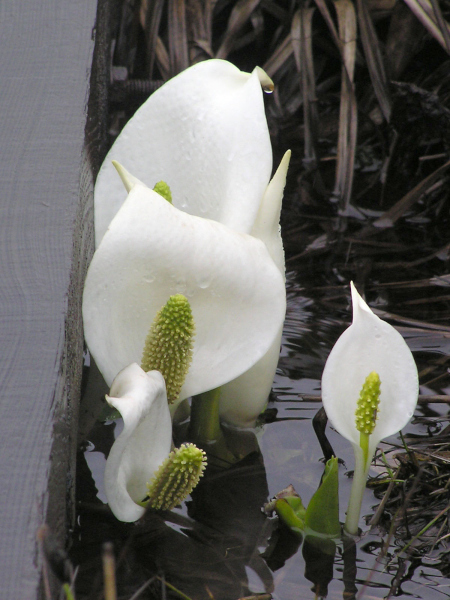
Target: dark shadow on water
[[208, 552]]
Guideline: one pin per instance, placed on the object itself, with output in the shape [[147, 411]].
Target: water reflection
[[209, 551], [219, 544]]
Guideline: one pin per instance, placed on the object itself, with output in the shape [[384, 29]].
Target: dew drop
[[204, 281]]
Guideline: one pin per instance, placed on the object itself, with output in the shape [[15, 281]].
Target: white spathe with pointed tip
[[205, 133], [242, 400], [152, 251], [369, 344], [143, 444]]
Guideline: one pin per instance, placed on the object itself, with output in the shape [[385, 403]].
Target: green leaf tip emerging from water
[[68, 592], [168, 347], [322, 514], [321, 518], [176, 477], [292, 512]]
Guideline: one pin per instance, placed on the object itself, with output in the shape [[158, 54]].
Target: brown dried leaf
[[348, 114], [296, 36], [301, 33], [395, 212], [433, 21], [240, 15], [199, 27], [403, 41], [177, 33], [162, 59], [279, 56], [150, 18], [374, 59], [442, 24]]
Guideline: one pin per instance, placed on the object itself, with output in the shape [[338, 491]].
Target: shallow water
[[219, 544]]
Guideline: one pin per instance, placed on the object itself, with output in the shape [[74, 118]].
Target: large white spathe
[[151, 251], [205, 133], [143, 444], [369, 344]]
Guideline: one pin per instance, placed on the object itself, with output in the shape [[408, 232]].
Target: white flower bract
[[369, 344], [205, 134], [143, 444], [152, 251]]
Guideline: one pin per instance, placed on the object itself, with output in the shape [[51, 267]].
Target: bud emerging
[[163, 190], [367, 408], [168, 347], [176, 477]]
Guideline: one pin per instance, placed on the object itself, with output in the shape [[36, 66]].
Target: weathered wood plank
[[46, 49]]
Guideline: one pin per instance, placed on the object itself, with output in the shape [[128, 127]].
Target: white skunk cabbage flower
[[152, 251], [370, 349], [205, 133], [141, 470]]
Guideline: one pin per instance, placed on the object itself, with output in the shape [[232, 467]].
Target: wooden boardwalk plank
[[46, 49]]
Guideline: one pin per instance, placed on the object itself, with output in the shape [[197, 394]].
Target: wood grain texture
[[46, 49]]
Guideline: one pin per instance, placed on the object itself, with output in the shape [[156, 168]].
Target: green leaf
[[292, 512], [322, 514]]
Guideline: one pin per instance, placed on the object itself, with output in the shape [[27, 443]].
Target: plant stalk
[[204, 427], [362, 465]]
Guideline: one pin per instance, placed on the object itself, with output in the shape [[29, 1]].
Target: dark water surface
[[219, 544]]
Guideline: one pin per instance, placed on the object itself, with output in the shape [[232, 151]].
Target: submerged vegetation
[[362, 97]]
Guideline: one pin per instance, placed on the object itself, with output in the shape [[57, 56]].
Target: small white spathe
[[369, 344], [143, 444]]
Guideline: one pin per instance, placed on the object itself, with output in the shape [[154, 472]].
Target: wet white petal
[[144, 442], [242, 400], [152, 251], [369, 344], [267, 223], [205, 134]]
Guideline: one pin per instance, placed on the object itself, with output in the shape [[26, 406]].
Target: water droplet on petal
[[204, 281]]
